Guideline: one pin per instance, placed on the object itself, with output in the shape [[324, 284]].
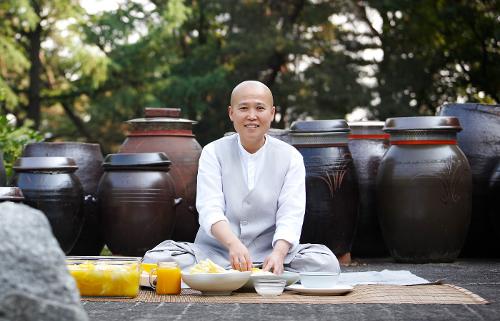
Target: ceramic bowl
[[289, 277], [319, 279], [269, 287], [216, 283]]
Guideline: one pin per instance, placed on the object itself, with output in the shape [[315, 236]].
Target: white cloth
[[211, 202], [401, 277]]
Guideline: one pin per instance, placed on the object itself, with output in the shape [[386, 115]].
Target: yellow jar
[[105, 276], [168, 278]]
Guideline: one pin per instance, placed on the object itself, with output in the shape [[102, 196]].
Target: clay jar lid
[[319, 126], [13, 194], [161, 118], [137, 161], [30, 164], [440, 123], [367, 127]]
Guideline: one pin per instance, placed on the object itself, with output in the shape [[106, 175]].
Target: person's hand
[[276, 259], [239, 256], [274, 263]]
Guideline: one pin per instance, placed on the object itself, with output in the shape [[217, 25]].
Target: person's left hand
[[276, 259]]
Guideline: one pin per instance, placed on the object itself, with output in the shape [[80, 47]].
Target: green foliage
[[13, 139], [103, 69]]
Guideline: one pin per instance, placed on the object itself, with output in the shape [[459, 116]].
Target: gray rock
[[33, 269], [23, 306]]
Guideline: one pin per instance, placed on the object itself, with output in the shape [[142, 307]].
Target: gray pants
[[309, 258]]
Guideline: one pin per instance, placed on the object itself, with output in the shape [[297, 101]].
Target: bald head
[[250, 88]]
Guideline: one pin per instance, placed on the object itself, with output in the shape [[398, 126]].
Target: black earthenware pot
[[88, 158], [480, 142], [163, 131], [136, 197], [331, 185], [50, 185], [368, 143], [11, 194], [494, 200], [424, 190]]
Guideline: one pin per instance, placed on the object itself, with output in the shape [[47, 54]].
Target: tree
[[435, 52]]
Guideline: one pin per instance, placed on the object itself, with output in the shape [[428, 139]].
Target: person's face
[[251, 112]]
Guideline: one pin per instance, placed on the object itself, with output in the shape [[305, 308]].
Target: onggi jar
[[105, 276], [162, 130], [424, 190], [50, 185], [368, 143], [136, 201], [331, 185]]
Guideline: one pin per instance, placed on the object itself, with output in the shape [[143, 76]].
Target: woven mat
[[388, 294]]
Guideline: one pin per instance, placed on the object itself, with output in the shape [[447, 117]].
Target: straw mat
[[387, 294]]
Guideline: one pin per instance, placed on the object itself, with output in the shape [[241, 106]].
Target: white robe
[[258, 217]]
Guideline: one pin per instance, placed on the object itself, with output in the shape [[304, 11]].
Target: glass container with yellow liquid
[[168, 278], [105, 276]]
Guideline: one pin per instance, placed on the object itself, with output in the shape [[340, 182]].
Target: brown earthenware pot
[[368, 143], [50, 185], [331, 185], [88, 158], [480, 142], [163, 131], [136, 198], [424, 190], [11, 194]]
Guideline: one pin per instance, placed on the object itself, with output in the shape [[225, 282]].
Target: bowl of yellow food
[[212, 279], [105, 276]]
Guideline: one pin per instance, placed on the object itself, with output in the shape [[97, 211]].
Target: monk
[[250, 198]]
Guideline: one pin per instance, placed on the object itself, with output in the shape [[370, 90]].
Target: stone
[[33, 269]]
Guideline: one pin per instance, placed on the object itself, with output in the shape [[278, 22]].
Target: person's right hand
[[239, 256]]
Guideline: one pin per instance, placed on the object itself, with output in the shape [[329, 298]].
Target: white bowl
[[319, 280], [289, 277], [269, 287], [216, 283]]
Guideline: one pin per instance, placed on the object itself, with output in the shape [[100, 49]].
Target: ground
[[479, 276]]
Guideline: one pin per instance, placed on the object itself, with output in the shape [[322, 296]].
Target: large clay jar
[[88, 158], [281, 134], [163, 131], [331, 185], [480, 142], [494, 197], [424, 190], [368, 144], [3, 176], [11, 194], [137, 202], [50, 185]]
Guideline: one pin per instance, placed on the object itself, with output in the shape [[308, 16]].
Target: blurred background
[[77, 70]]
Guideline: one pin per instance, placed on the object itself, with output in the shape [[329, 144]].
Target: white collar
[[246, 154]]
